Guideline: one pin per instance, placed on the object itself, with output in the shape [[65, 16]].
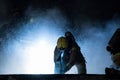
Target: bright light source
[[39, 58]]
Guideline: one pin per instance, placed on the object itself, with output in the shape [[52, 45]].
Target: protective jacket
[[73, 57]]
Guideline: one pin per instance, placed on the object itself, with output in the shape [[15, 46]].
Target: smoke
[[27, 45], [93, 38]]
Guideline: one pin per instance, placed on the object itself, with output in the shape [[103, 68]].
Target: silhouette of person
[[67, 53]]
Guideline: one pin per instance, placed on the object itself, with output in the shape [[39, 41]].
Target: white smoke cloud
[[31, 49], [93, 39]]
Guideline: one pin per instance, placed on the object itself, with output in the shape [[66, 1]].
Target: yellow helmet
[[116, 59], [62, 43]]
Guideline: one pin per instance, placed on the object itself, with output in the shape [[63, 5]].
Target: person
[[72, 55], [114, 48]]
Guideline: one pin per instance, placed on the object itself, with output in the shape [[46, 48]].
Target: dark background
[[93, 9]]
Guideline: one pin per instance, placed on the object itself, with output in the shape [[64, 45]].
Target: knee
[[81, 68]]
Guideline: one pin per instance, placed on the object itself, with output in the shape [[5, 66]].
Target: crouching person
[[67, 54]]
